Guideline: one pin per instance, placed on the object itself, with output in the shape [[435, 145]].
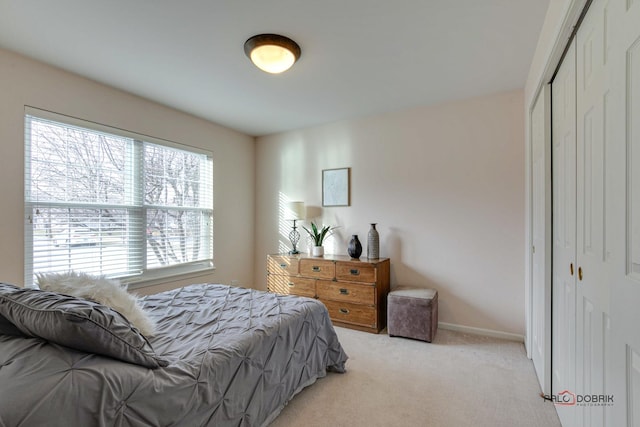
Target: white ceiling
[[359, 57]]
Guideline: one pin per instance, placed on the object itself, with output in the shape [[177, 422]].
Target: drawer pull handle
[[291, 285], [316, 268], [344, 291], [355, 272], [283, 265], [344, 311]]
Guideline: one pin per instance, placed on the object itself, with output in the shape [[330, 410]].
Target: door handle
[[571, 268], [580, 273]]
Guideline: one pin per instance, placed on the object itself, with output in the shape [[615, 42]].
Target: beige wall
[[445, 184], [26, 82]]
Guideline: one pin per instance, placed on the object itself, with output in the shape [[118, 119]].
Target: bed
[[225, 356]]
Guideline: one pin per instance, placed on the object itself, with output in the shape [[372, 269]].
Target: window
[[105, 201]]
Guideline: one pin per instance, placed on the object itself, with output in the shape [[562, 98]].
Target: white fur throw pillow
[[105, 291]]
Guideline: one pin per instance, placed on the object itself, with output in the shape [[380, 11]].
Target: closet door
[[541, 239], [623, 49], [593, 325], [564, 232], [596, 315]]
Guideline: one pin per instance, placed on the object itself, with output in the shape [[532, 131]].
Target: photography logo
[[567, 398]]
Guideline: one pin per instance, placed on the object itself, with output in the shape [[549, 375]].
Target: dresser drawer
[[282, 265], [288, 285], [356, 272], [318, 268], [352, 313], [349, 292]]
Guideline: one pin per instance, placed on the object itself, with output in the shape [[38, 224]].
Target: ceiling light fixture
[[271, 52]]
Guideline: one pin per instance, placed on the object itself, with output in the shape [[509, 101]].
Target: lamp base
[[294, 236]]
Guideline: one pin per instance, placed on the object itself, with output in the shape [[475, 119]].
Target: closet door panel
[[592, 289], [541, 239], [625, 293], [564, 232], [633, 166]]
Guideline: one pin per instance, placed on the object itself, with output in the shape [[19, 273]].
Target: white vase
[[373, 243], [317, 251]]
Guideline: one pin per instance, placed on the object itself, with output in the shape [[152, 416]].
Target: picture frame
[[336, 187]]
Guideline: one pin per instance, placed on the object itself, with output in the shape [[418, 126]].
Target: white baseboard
[[479, 331]]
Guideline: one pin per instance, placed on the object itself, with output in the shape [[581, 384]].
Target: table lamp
[[296, 212]]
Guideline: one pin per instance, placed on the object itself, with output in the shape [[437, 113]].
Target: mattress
[[236, 358]]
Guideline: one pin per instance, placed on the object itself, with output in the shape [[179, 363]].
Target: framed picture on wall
[[335, 187]]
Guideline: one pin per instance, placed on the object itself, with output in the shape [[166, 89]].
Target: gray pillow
[[77, 323], [6, 327]]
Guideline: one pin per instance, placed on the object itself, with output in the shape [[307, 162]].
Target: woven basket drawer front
[[356, 293], [287, 285], [353, 313], [318, 268]]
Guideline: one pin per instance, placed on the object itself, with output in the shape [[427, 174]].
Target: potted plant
[[318, 235]]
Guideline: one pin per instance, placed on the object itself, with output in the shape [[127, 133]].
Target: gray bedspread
[[236, 357]]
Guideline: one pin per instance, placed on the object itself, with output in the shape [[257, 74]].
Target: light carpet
[[458, 380]]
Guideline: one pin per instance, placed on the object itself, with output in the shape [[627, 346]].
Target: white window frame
[[147, 276]]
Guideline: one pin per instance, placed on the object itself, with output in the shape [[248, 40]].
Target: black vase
[[355, 247]]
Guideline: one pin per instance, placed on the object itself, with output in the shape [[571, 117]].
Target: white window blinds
[[105, 201]]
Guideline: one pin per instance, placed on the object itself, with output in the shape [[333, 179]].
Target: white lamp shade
[[296, 210]]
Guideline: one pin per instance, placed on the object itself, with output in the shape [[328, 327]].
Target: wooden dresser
[[354, 291]]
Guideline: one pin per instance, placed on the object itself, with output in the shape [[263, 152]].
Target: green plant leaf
[[318, 235]]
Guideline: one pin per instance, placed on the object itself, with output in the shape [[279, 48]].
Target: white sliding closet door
[[593, 219], [564, 232], [623, 49], [596, 219], [541, 239]]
